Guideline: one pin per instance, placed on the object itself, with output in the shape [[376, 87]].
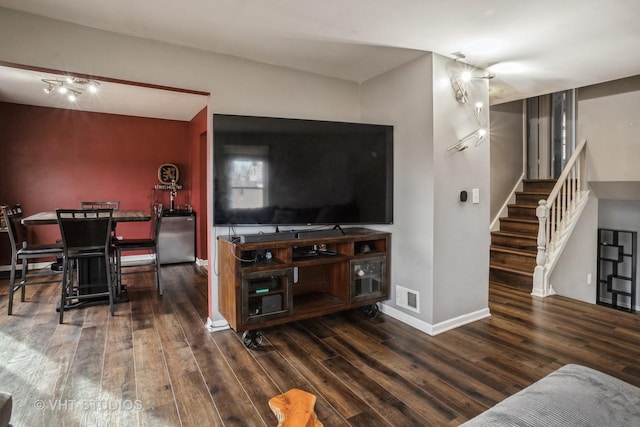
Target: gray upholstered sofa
[[573, 395], [6, 404]]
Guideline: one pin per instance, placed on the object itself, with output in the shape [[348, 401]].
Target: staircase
[[514, 247]]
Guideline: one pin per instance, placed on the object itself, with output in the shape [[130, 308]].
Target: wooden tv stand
[[268, 283]]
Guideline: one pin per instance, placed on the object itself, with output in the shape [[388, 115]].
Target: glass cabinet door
[[368, 278], [266, 295]]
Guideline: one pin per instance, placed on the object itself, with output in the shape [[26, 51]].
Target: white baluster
[[541, 213]]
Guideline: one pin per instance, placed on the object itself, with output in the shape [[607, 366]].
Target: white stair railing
[[557, 216]]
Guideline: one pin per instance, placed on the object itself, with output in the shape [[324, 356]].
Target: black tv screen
[[276, 171]]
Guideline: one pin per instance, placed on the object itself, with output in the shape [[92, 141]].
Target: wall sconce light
[[467, 76], [459, 90], [463, 143], [71, 86], [459, 84]]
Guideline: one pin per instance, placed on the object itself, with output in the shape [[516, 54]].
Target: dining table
[[119, 215], [88, 269]]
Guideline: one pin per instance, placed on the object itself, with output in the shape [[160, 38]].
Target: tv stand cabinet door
[[368, 278], [266, 295]]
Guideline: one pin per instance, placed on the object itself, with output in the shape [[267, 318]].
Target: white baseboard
[[460, 320], [625, 304], [128, 260], [32, 266], [216, 325], [438, 328]]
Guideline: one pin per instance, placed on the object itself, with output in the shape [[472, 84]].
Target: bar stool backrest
[[17, 231], [100, 205], [85, 230]]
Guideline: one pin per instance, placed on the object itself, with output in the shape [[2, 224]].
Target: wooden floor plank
[[286, 378], [404, 358], [229, 396], [435, 402], [157, 352], [118, 390], [23, 354], [390, 407], [193, 400], [153, 385], [82, 388], [327, 384], [254, 380]]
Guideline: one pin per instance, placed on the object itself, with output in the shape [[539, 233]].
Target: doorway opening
[[551, 133]]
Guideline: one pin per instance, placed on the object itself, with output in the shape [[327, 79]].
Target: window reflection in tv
[[274, 171]]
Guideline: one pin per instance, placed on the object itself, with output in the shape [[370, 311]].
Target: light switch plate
[[476, 195]]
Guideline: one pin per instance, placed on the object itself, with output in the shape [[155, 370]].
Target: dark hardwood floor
[[155, 364]]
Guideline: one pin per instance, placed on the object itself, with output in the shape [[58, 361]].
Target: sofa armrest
[[6, 405]]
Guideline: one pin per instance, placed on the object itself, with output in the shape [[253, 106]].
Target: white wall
[[609, 118], [404, 98], [440, 245], [507, 153], [579, 257], [461, 230]]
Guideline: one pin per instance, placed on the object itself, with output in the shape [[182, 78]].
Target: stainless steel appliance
[[177, 239]]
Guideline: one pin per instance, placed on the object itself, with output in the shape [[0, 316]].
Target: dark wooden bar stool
[[23, 252], [149, 244], [86, 239]]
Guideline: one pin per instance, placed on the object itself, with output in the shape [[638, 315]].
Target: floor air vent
[[407, 298]]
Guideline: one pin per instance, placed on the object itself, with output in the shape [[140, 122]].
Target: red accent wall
[[54, 158]]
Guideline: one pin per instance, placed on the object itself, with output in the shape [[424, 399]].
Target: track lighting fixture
[[71, 86]]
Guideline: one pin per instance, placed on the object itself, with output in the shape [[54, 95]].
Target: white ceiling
[[551, 45]]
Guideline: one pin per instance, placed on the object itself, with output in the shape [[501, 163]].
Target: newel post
[[539, 276]]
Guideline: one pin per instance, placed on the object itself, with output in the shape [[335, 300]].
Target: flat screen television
[[278, 171]]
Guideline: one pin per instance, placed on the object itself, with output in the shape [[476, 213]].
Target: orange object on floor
[[295, 409]]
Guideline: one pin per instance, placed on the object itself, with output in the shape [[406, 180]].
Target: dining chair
[[91, 205], [23, 252], [148, 244], [86, 238], [115, 205]]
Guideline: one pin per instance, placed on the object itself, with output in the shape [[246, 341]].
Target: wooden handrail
[[565, 173], [554, 212]]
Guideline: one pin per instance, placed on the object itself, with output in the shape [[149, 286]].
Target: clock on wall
[[168, 174]]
